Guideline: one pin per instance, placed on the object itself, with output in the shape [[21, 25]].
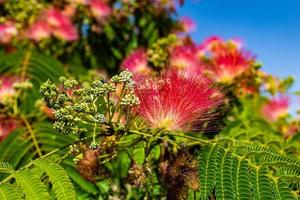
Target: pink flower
[[216, 45], [230, 64], [136, 62], [56, 18], [207, 45], [275, 108], [66, 32], [7, 31], [39, 30], [185, 57], [6, 87], [61, 25], [99, 9], [188, 24], [290, 130], [7, 125], [177, 102]]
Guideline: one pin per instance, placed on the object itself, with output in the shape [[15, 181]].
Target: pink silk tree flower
[[7, 32], [61, 24], [185, 57], [230, 64], [136, 62], [56, 18], [208, 44], [216, 45], [275, 108], [177, 102], [99, 9], [6, 87], [66, 32], [39, 30], [188, 24], [7, 125]]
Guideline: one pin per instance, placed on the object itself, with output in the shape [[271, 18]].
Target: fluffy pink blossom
[[7, 32], [39, 30], [230, 64], [136, 62], [275, 108], [7, 125], [185, 57], [188, 24], [61, 25], [99, 9], [66, 32], [177, 102], [56, 18], [6, 87], [216, 45]]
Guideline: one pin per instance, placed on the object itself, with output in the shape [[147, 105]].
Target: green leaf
[[207, 169], [224, 184], [7, 192], [5, 167], [262, 187], [32, 186], [62, 186], [282, 191], [241, 179], [138, 154]]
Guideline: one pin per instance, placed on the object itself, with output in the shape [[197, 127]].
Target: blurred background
[[270, 29]]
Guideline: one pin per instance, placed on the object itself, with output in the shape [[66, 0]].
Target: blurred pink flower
[[7, 32], [7, 125], [185, 57], [61, 25], [136, 62], [275, 108], [66, 32], [39, 30], [228, 65], [177, 102], [99, 9], [228, 60], [6, 87], [56, 18], [188, 24]]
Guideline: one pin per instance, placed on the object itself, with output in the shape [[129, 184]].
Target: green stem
[[189, 137], [108, 106], [118, 103], [153, 136], [32, 134], [94, 135]]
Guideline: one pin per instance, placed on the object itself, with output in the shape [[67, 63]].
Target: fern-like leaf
[[6, 168], [207, 169], [7, 192], [224, 188], [282, 191], [262, 187], [62, 186], [33, 187], [241, 179]]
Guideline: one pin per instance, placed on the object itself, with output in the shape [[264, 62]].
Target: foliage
[[180, 121]]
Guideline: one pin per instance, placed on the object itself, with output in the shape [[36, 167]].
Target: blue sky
[[269, 28]]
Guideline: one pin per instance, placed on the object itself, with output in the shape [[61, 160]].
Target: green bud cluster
[[79, 108], [158, 53], [130, 100]]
